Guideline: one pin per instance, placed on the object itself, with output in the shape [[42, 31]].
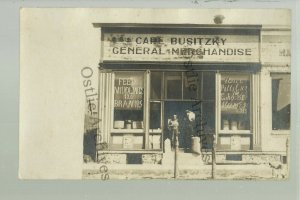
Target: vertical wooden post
[[287, 156], [213, 159], [147, 108], [176, 155]]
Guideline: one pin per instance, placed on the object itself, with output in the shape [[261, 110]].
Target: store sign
[[276, 49], [128, 91], [171, 47], [235, 94]]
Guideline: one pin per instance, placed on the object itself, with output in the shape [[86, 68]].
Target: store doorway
[[173, 93], [180, 109]]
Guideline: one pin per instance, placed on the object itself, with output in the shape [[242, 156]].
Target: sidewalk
[[228, 172]]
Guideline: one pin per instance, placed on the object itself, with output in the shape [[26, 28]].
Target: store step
[[183, 159]]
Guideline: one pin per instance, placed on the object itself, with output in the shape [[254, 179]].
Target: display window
[[235, 113], [235, 102], [128, 111], [128, 100]]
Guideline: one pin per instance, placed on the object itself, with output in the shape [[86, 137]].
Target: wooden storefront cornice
[[151, 25]]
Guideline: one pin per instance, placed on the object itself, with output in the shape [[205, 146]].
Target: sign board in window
[[235, 102], [128, 91], [235, 94]]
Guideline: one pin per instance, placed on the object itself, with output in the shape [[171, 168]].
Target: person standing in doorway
[[173, 126], [189, 131]]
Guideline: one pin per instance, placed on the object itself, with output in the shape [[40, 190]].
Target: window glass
[[235, 102], [173, 83], [209, 85], [281, 101], [155, 115], [191, 85], [208, 117], [156, 80], [128, 100], [205, 122]]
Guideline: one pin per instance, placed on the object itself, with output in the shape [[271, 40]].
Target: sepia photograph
[[189, 101], [155, 94], [152, 100]]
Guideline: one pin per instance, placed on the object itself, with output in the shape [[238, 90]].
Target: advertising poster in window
[[235, 95], [128, 91]]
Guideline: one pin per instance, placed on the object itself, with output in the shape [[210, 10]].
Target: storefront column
[[100, 135], [110, 104], [105, 101], [218, 107], [147, 108], [256, 112]]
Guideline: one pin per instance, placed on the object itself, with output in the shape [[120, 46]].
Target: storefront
[[233, 80]]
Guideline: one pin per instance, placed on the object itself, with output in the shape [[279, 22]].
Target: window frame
[[136, 132]]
